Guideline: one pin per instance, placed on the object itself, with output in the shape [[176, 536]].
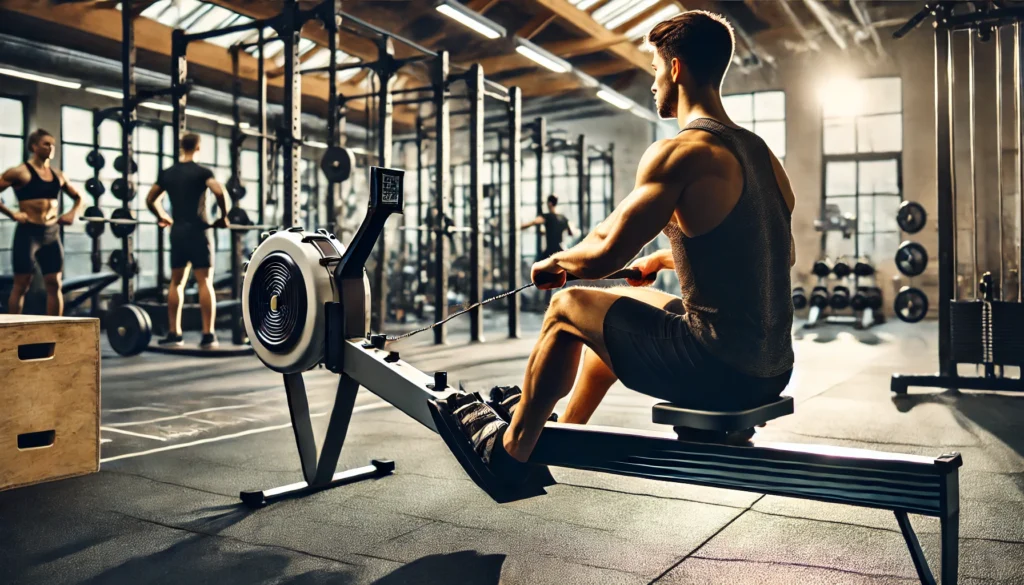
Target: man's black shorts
[[37, 243], [191, 243], [654, 352]]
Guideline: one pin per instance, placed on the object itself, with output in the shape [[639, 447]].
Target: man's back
[[185, 183], [730, 238]]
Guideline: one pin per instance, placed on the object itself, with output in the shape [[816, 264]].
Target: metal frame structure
[[986, 330], [903, 484]]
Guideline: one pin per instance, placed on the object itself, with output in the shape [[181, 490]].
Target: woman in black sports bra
[[37, 237]]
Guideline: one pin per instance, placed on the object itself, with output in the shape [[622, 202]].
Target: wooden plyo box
[[49, 398]]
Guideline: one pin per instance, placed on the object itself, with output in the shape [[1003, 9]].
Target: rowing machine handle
[[630, 273]]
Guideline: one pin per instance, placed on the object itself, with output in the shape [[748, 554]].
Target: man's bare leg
[[175, 294], [575, 318], [596, 377], [207, 303], [592, 384]]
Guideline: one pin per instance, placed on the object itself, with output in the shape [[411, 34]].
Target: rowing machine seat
[[717, 426]]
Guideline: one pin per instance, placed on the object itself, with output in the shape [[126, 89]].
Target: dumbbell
[[841, 269], [840, 298], [799, 298], [819, 297], [859, 301], [863, 268], [822, 268], [874, 294]]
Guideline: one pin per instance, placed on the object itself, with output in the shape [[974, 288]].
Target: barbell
[[122, 222]]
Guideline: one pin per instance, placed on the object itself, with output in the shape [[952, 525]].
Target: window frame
[[857, 158]]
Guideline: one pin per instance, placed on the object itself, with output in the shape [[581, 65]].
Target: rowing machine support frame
[[903, 484]]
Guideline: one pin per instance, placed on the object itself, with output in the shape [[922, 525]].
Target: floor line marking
[[362, 408], [123, 432]]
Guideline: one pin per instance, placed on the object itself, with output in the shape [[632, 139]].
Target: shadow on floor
[[998, 414], [829, 332]]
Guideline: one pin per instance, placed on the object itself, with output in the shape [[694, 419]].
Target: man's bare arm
[[218, 192], [536, 221], [636, 221]]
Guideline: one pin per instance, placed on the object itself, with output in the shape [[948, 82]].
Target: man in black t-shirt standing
[[186, 183]]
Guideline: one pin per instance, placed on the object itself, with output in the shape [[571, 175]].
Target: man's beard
[[667, 106]]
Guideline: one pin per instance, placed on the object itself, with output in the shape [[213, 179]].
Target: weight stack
[[49, 422], [967, 332], [1008, 333]]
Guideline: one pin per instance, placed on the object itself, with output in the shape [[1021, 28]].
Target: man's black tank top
[[555, 224], [735, 279], [37, 188]]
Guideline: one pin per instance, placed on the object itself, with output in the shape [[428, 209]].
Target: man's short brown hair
[[190, 142], [36, 136], [701, 40]]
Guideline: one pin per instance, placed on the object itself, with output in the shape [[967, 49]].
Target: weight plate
[[911, 217], [235, 188], [911, 258], [119, 188], [337, 164], [95, 160], [238, 216], [121, 267], [911, 304], [129, 330], [94, 187], [94, 228], [122, 230], [119, 165]]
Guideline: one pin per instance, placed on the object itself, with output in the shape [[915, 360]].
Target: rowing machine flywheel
[[283, 293]]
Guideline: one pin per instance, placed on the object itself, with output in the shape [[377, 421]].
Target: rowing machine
[[305, 299]]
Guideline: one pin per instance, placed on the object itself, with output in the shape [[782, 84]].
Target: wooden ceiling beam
[[536, 25], [585, 23], [579, 47], [155, 38], [481, 6]]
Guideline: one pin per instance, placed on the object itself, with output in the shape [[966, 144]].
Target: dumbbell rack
[[863, 305]]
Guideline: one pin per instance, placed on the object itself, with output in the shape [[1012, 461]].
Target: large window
[[12, 152], [763, 113], [863, 142]]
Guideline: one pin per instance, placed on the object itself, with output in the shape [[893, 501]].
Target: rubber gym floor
[[182, 436]]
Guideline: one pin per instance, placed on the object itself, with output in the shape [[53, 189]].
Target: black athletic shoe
[[209, 340], [505, 399], [171, 339]]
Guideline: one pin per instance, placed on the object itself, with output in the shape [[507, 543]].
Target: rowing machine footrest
[[666, 413]]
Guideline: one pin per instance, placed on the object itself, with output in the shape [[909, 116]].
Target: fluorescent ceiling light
[[40, 78], [541, 57], [315, 144], [615, 98], [586, 80], [645, 27], [470, 19], [105, 92], [628, 14], [585, 4], [609, 10]]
